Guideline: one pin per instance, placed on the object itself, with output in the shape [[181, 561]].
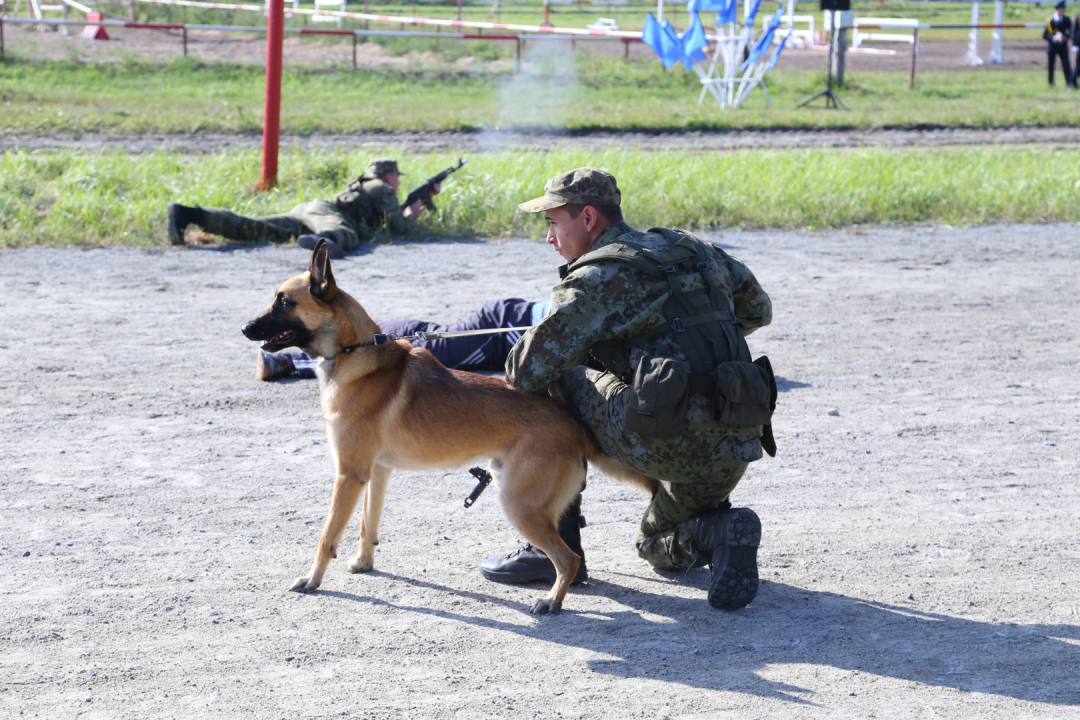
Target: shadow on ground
[[683, 641]]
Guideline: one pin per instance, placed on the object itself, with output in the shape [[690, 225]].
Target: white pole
[[972, 56], [660, 10], [997, 57]]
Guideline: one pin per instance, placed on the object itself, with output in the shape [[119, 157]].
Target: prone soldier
[[344, 221]]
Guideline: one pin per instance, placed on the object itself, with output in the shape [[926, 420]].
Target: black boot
[[271, 366], [731, 537], [528, 563], [180, 216]]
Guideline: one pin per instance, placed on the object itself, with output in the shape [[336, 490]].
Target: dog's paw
[[545, 607], [361, 564], [304, 585]]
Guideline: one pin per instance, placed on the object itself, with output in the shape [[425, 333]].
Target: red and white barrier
[[537, 29]]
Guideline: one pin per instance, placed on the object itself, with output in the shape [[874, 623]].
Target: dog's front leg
[[374, 497], [347, 488]]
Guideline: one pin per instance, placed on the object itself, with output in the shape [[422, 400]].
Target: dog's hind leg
[[347, 488], [374, 497], [533, 504]]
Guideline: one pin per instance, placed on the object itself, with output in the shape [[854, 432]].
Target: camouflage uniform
[[699, 466], [349, 219]]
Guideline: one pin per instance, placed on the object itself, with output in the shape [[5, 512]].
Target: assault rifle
[[423, 193]]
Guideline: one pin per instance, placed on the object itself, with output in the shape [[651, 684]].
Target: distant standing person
[[1057, 33], [345, 221]]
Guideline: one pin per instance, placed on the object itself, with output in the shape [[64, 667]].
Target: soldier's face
[[571, 237], [393, 180]]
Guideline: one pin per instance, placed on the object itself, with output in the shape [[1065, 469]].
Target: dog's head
[[301, 311]]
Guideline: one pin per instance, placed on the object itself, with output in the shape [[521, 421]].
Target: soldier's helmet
[[381, 167], [582, 186]]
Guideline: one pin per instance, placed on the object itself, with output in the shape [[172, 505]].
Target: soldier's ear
[[322, 284]]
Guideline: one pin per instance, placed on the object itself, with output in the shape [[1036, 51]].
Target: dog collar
[[350, 348]]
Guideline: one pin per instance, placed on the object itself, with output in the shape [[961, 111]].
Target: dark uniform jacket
[[1055, 25], [369, 202]]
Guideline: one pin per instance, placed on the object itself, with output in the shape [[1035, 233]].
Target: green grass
[[595, 92], [70, 198]]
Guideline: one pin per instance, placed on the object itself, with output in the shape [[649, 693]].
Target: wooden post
[[275, 32], [354, 51], [914, 52], [459, 10], [519, 54], [185, 41], [131, 10]]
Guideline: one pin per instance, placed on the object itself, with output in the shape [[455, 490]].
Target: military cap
[[1060, 5], [382, 166], [583, 186]]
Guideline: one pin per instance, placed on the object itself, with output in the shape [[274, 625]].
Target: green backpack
[[703, 324]]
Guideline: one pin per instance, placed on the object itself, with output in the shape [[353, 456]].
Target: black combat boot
[[271, 366], [180, 216], [308, 242], [528, 563], [731, 537]]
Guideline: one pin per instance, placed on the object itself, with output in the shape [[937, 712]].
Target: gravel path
[[920, 549], [494, 140]]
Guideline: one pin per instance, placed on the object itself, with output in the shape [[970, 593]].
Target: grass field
[[69, 198], [595, 92]]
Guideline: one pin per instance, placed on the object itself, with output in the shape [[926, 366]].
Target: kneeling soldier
[[679, 402]]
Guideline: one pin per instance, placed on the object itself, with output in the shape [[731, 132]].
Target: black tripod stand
[[831, 101]]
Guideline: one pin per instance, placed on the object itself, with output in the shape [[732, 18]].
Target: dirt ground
[[474, 142], [922, 525]]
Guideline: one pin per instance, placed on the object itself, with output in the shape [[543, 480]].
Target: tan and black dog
[[392, 406]]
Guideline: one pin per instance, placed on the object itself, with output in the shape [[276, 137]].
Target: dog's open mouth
[[279, 340]]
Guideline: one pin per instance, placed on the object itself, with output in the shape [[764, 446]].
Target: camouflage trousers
[[697, 467], [316, 216]]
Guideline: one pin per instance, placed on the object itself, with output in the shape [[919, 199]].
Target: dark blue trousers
[[478, 352]]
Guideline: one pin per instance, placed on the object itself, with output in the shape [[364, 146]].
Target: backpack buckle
[[677, 325], [731, 314], [669, 269], [702, 265]]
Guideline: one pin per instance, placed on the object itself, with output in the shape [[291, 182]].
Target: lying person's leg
[[477, 352]]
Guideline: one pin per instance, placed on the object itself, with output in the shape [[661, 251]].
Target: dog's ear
[[323, 286]]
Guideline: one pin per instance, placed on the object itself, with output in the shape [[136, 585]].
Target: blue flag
[[673, 48], [776, 55], [754, 5], [696, 6], [651, 35], [763, 42], [727, 12], [693, 40]]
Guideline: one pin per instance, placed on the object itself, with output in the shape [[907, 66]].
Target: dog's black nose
[[248, 329]]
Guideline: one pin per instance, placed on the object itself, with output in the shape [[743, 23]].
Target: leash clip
[[484, 478]]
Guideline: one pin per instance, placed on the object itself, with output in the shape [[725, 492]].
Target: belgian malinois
[[392, 406]]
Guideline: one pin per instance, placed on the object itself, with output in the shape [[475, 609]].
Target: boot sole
[[735, 573]]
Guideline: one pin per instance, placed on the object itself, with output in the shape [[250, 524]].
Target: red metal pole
[[275, 32]]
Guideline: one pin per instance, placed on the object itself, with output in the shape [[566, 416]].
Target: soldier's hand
[[436, 188], [414, 209]]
